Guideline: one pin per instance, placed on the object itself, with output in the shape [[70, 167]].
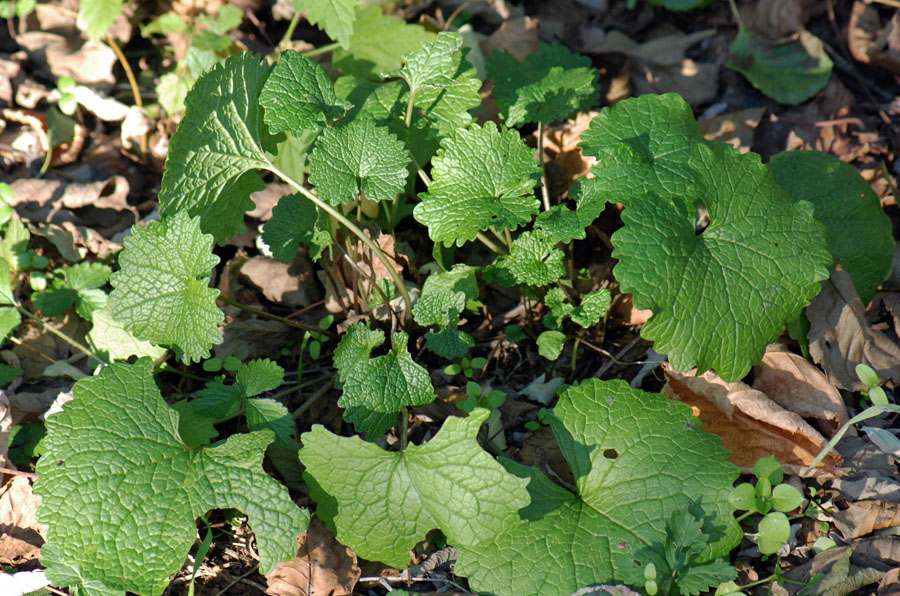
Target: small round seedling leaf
[[866, 374], [743, 497], [774, 530], [770, 469], [789, 72], [786, 498], [550, 344]]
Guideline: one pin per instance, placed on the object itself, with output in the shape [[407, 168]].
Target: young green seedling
[[465, 366], [869, 378], [771, 498]]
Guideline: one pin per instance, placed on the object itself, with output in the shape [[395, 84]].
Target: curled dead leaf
[[322, 567], [796, 385], [21, 536], [736, 128], [519, 35], [750, 424], [870, 40], [865, 517], [840, 337], [776, 18]]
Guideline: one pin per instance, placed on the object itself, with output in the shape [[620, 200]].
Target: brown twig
[[12, 472]]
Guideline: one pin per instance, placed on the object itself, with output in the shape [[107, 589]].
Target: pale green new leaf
[[268, 414], [381, 503], [95, 17], [298, 96], [358, 158], [115, 469], [535, 261], [858, 230], [643, 145], [460, 278], [334, 17], [85, 275], [109, 338], [376, 389], [217, 148], [636, 458], [439, 307], [293, 222], [550, 344], [550, 85], [259, 375], [378, 43], [481, 177], [721, 296], [161, 292], [593, 306], [432, 65]]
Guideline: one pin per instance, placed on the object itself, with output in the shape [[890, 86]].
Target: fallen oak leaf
[[322, 567], [840, 337], [864, 517], [750, 424], [795, 384]]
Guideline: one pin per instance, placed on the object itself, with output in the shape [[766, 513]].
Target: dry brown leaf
[[625, 311], [541, 450], [750, 424], [563, 153], [660, 65], [795, 384], [519, 35], [322, 567], [21, 536], [891, 303], [865, 517], [776, 18], [289, 284], [840, 337], [736, 128], [872, 42]]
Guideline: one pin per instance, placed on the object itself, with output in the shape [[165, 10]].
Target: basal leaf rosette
[[217, 148], [121, 491], [643, 145], [482, 177], [161, 292], [636, 458], [719, 296]]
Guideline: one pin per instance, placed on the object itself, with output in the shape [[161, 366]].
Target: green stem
[[404, 427], [409, 108], [336, 214], [282, 45], [743, 516], [262, 313], [736, 14], [575, 350], [545, 194], [489, 243], [72, 342], [322, 50], [166, 367]]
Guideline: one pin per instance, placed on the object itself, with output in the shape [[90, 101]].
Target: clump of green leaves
[[770, 497]]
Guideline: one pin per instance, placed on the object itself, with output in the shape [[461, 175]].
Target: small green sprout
[[772, 499], [6, 199], [650, 579], [869, 378], [67, 102], [492, 400], [465, 366]]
